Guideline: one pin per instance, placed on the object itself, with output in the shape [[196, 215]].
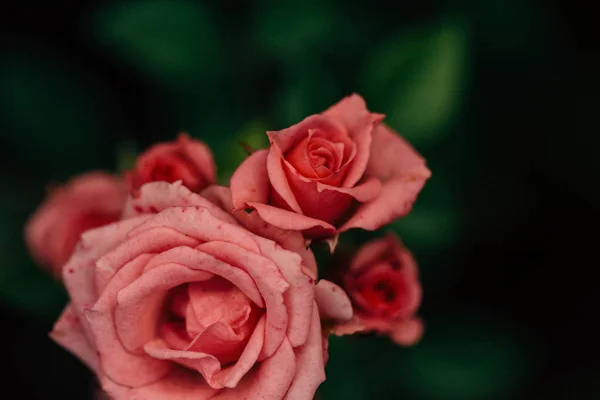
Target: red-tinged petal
[[250, 181], [279, 180], [289, 220], [407, 332], [403, 173], [286, 139], [200, 155]]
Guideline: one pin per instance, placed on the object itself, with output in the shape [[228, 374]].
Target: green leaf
[[172, 42], [418, 79]]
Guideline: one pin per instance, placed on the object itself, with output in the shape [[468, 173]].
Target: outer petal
[[278, 179], [69, 333], [271, 380], [407, 332], [200, 155], [403, 173], [178, 385], [250, 181], [290, 220], [289, 240], [352, 112], [333, 302], [310, 367], [157, 196]]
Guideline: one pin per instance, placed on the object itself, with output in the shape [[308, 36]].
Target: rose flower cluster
[[183, 289]]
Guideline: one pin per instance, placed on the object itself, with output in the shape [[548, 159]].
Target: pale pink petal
[[153, 240], [180, 384], [199, 223], [198, 259], [140, 304], [155, 197], [354, 325], [250, 181], [299, 297], [79, 272], [352, 112], [310, 367], [288, 239], [116, 362], [333, 302], [403, 173], [200, 155], [270, 380], [269, 281], [68, 333]]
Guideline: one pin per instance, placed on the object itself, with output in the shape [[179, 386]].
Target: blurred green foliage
[[452, 77]]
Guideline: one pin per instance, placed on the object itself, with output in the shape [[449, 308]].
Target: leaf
[[172, 42], [418, 78]]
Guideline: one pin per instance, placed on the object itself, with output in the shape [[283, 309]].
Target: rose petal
[[289, 240], [250, 181], [140, 304], [116, 362], [278, 179], [180, 384], [268, 280], [407, 332], [352, 112], [199, 223], [333, 302], [68, 333], [157, 196], [287, 138], [289, 220], [299, 297], [200, 155], [270, 380], [152, 240], [369, 253], [310, 368], [402, 172]]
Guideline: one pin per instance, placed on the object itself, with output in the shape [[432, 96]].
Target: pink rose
[[333, 171], [180, 301], [85, 202], [185, 159], [383, 284]]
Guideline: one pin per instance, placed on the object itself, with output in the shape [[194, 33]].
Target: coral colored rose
[[85, 202], [383, 284], [183, 302], [333, 171], [185, 159]]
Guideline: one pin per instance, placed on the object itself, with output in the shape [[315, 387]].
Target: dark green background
[[500, 96]]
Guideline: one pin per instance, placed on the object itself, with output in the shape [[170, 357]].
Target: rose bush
[[333, 171]]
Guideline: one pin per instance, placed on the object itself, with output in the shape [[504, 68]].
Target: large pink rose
[[87, 201], [383, 284], [333, 171], [187, 160], [181, 301]]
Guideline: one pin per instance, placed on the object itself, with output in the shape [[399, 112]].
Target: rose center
[[212, 317]]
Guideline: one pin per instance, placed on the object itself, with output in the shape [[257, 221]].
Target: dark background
[[500, 96]]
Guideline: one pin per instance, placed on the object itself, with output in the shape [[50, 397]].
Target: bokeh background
[[500, 96]]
